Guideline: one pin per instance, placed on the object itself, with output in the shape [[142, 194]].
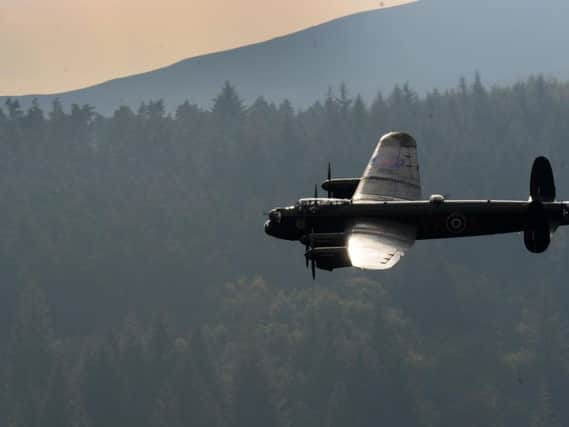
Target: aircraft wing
[[374, 245], [367, 244], [392, 172]]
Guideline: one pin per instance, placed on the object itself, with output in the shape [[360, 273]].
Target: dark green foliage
[[30, 358], [138, 289], [252, 402], [57, 411], [100, 388], [227, 106]]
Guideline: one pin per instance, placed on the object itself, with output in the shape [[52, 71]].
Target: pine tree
[[187, 112], [135, 375], [34, 116], [57, 412], [344, 101], [101, 389], [359, 121], [14, 109], [544, 415], [227, 105], [252, 402], [30, 357], [462, 86], [56, 114], [190, 396]]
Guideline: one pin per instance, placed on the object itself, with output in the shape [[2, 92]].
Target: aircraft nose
[[268, 227], [275, 216]]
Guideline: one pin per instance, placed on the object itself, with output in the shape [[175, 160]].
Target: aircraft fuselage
[[431, 220]]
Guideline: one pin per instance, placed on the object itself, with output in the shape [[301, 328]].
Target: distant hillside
[[428, 44], [136, 279]]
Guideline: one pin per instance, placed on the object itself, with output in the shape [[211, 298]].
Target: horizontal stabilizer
[[542, 184]]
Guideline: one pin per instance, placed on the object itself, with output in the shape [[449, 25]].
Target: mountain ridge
[[441, 41], [196, 57]]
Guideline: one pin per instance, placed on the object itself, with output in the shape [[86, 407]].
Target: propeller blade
[[308, 245], [313, 270], [329, 179], [315, 191]]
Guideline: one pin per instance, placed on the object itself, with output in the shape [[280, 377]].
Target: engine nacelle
[[330, 258], [341, 188]]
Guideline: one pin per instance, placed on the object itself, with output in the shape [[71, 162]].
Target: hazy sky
[[56, 45]]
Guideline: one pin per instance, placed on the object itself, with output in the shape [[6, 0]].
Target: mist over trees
[[137, 287]]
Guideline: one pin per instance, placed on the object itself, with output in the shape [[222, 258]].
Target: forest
[[138, 289]]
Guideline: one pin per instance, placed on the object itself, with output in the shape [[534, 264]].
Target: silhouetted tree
[[227, 105], [252, 402], [30, 357], [101, 389]]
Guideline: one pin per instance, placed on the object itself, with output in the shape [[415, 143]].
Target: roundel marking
[[456, 223]]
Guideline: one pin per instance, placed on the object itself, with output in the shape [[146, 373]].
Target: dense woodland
[[137, 287]]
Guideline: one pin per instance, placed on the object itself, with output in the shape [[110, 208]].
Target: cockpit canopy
[[315, 201]]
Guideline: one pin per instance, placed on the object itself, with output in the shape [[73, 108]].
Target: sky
[[51, 46]]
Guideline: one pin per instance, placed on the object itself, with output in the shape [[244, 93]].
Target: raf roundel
[[456, 223]]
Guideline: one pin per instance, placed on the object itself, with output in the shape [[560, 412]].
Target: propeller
[[308, 259], [307, 246], [329, 179], [313, 264]]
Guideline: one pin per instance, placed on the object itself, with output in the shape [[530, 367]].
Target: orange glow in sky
[[49, 46]]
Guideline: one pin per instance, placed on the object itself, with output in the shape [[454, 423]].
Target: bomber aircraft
[[371, 222]]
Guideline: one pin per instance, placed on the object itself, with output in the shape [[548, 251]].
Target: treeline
[[137, 287]]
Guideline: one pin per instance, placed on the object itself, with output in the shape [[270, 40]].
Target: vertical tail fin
[[537, 235], [542, 184]]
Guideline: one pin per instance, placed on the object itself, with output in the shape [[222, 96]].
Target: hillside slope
[[428, 43]]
